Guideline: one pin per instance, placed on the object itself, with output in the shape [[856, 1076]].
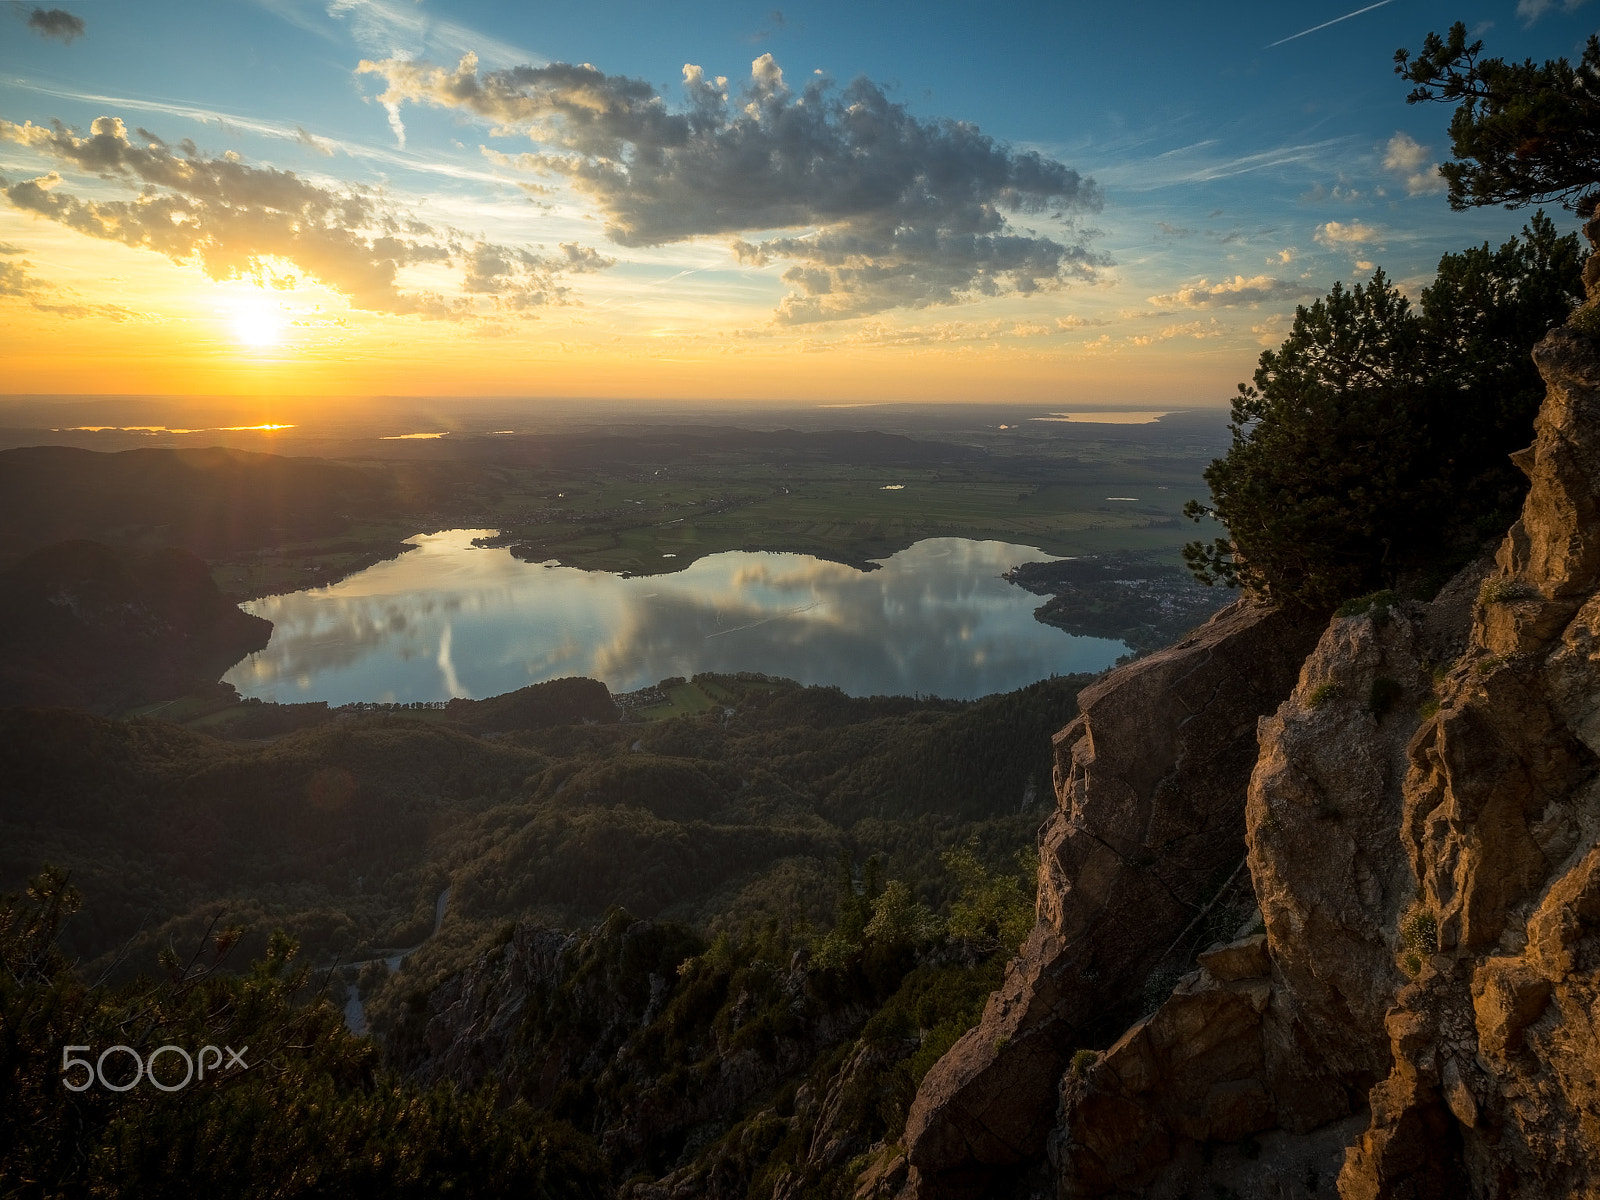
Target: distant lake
[[450, 619]]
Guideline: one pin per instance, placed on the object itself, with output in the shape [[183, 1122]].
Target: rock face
[[1150, 783], [1495, 1056], [1281, 1034], [1415, 1014]]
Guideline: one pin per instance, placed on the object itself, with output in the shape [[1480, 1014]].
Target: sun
[[257, 322]]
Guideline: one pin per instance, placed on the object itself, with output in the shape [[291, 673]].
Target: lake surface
[[450, 619]]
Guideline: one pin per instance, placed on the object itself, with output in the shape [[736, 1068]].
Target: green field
[[653, 501], [665, 521]]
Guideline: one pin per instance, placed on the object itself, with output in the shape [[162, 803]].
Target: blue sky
[[1237, 170]]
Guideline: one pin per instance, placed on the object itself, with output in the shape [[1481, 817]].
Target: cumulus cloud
[[880, 209], [1190, 329], [230, 218], [15, 280], [1232, 292], [1337, 235], [1531, 10], [56, 23], [1073, 321], [1410, 160]]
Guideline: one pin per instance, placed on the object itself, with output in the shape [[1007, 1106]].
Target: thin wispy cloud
[[394, 27], [1170, 170], [234, 122], [1325, 24]]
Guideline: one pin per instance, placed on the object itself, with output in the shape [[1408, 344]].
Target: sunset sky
[[1052, 202]]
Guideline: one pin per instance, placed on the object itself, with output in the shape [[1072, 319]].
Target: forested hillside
[[710, 924], [345, 829]]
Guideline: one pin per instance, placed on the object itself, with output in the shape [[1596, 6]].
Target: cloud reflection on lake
[[450, 619]]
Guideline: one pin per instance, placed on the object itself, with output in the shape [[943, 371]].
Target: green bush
[[1419, 930], [1499, 590], [1373, 604], [1322, 693]]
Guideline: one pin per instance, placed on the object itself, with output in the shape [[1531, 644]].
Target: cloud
[[1184, 166], [1531, 10], [56, 23], [1336, 235], [398, 28], [1031, 329], [1409, 159], [15, 280], [884, 210], [1271, 331], [1232, 292], [1190, 329], [230, 218], [1340, 191], [321, 145], [16, 283]]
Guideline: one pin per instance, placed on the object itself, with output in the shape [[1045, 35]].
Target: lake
[[451, 619]]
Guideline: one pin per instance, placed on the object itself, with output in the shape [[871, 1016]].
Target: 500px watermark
[[145, 1068]]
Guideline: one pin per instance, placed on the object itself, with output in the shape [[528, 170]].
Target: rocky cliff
[[1412, 1013], [1150, 781]]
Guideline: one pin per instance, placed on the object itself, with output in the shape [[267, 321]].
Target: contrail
[[1325, 24]]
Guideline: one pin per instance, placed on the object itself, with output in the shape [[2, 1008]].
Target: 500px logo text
[[145, 1068]]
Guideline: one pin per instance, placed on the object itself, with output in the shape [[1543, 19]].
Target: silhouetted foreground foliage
[[1522, 132], [1374, 442], [311, 1114]]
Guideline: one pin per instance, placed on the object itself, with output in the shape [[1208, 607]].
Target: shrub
[[1499, 590], [1419, 930], [1083, 1061], [1374, 604], [1322, 693]]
